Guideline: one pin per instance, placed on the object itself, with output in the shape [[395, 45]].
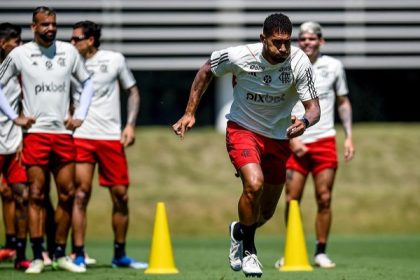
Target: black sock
[[238, 233], [320, 248], [79, 251], [60, 250], [119, 250], [248, 238], [37, 246], [20, 249], [10, 241]]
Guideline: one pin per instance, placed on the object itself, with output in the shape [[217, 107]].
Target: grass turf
[[373, 257]]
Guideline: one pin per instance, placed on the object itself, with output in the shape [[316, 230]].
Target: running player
[[315, 151], [14, 191], [271, 76], [46, 66], [100, 140]]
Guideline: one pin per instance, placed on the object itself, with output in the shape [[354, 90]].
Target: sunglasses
[[78, 38]]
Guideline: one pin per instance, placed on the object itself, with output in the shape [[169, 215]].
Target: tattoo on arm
[[201, 82], [345, 114]]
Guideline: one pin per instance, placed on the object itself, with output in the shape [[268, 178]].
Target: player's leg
[[36, 179], [84, 177], [49, 222], [324, 181], [8, 252], [64, 180], [21, 201], [295, 184]]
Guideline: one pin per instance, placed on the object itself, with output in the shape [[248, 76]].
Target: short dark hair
[[277, 22], [9, 31], [42, 9], [90, 29]]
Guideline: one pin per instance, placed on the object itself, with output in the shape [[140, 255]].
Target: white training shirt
[[330, 80], [265, 94], [10, 134], [103, 121], [45, 76]]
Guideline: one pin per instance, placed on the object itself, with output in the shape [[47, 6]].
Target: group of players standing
[[47, 88], [267, 143]]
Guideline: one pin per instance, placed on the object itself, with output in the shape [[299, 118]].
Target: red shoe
[[22, 265], [7, 254]]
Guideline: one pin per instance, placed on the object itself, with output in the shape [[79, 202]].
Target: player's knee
[[36, 196], [324, 200], [21, 195], [81, 198], [254, 187], [66, 195]]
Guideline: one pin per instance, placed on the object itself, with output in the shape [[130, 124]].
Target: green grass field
[[376, 225], [373, 257]]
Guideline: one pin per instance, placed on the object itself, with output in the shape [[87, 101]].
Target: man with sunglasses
[[100, 140], [315, 151], [46, 66]]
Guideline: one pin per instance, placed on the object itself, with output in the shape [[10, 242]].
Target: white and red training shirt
[[265, 94], [103, 121], [330, 80], [46, 74]]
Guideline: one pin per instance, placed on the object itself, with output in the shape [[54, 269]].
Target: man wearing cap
[[315, 151]]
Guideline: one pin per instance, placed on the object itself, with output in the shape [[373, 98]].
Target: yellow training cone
[[161, 259], [295, 255]]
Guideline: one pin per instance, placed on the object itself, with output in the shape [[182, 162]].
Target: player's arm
[[201, 82], [84, 104], [7, 110], [133, 105], [345, 113]]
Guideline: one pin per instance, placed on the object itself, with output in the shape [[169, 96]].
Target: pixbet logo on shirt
[[265, 98], [50, 87]]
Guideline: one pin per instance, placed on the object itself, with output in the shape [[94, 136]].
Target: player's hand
[[128, 136], [348, 149], [23, 121], [183, 125], [72, 124], [298, 148], [296, 129]]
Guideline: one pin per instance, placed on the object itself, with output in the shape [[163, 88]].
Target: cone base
[[161, 271], [296, 268]]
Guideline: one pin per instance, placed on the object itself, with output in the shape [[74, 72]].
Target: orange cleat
[[7, 254], [22, 265]]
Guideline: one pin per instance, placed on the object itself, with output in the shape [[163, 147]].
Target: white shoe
[[251, 266], [235, 252], [46, 258], [322, 260], [279, 263], [88, 260], [36, 267], [66, 263]]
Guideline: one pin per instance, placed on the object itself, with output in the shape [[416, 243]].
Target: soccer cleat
[[279, 263], [66, 263], [251, 266], [323, 261], [22, 265], [80, 261], [88, 260], [128, 262], [7, 254], [235, 252], [46, 258], [36, 267]]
